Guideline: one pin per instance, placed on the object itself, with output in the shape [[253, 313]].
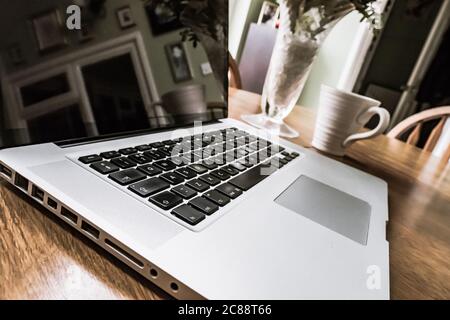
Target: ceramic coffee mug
[[340, 117]]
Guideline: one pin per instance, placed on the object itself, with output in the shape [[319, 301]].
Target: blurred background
[[406, 65], [126, 69]]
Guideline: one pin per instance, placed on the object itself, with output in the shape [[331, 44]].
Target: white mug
[[340, 117]]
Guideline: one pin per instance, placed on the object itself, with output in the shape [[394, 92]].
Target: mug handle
[[381, 127]]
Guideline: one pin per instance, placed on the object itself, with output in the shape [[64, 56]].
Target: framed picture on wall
[[179, 63], [269, 13], [48, 31], [125, 17], [162, 18]]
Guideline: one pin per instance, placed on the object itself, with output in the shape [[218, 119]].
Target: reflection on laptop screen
[[121, 67]]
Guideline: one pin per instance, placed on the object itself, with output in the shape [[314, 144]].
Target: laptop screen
[[75, 70]]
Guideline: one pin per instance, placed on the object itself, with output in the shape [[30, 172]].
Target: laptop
[[203, 206]]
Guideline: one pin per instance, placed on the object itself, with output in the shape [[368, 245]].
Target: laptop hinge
[[103, 138]]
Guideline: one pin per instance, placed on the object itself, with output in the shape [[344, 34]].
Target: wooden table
[[41, 258]]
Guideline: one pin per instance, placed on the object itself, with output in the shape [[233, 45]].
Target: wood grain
[[42, 258]]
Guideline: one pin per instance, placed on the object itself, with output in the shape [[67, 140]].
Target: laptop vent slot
[[21, 182], [124, 253], [37, 193], [6, 171], [52, 203], [90, 229], [69, 215]]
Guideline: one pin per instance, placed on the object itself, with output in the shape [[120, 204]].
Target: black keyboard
[[194, 176]]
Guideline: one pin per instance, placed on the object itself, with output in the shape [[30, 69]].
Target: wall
[[15, 30], [331, 59]]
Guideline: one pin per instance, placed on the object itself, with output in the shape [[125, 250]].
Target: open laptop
[[220, 211]]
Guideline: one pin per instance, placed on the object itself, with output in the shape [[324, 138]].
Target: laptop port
[[69, 215], [52, 203], [124, 253], [93, 231], [37, 193], [6, 171], [174, 287], [154, 273], [21, 182]]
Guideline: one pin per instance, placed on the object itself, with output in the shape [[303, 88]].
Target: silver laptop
[[220, 211]]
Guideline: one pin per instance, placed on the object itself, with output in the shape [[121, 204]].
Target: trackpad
[[329, 207]]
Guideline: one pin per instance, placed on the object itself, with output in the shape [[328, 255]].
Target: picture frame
[[48, 31], [15, 54], [269, 14], [179, 62], [162, 19], [125, 17]]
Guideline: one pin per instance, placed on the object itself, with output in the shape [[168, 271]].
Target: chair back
[[439, 138]]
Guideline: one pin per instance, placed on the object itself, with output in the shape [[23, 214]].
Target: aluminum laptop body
[[313, 229]]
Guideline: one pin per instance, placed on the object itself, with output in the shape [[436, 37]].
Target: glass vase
[[298, 41]]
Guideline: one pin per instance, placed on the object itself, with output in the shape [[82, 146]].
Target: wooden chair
[[416, 122], [234, 77]]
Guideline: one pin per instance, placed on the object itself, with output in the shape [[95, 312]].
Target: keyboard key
[[110, 154], [294, 154], [104, 167], [165, 150], [198, 185], [165, 165], [172, 178], [154, 154], [188, 214], [186, 172], [204, 205], [229, 190], [220, 174], [250, 178], [238, 166], [166, 200], [139, 159], [128, 176], [210, 164], [184, 191], [284, 161], [127, 151], [288, 158], [230, 170], [123, 163], [209, 179], [148, 187], [198, 168], [149, 170], [217, 197], [143, 147], [156, 144], [169, 142], [285, 153], [179, 161], [247, 162], [90, 159]]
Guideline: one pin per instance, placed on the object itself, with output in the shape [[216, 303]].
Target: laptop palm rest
[[333, 209]]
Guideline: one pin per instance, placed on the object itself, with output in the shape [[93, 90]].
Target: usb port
[[93, 231], [37, 193], [6, 171], [21, 182], [52, 203], [69, 215]]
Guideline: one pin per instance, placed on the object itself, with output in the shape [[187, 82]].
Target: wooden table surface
[[42, 258]]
